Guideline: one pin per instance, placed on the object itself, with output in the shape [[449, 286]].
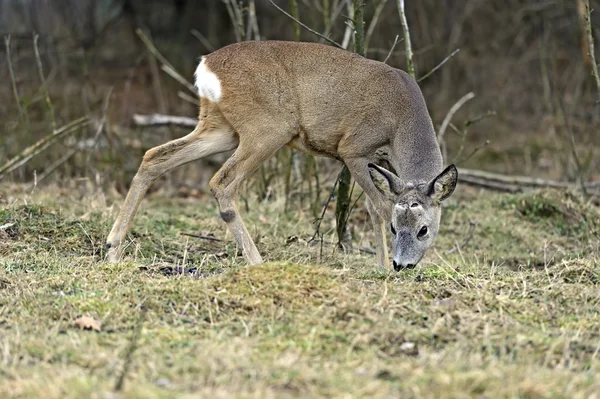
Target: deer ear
[[386, 182], [443, 185]]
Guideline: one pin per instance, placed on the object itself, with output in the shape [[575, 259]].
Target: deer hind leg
[[378, 208], [159, 160], [252, 151]]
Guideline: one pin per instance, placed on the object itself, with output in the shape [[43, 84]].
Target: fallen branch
[[163, 120], [509, 183]]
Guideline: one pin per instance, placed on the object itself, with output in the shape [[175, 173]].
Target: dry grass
[[514, 313]]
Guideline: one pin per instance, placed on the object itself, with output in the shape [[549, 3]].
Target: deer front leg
[[379, 228], [377, 205]]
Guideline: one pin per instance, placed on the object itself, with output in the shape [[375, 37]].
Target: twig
[[41, 145], [43, 80], [451, 113], [186, 97], [320, 219], [588, 21], [396, 41], [374, 21], [438, 66], [410, 66], [468, 237], [202, 237], [165, 63], [131, 349], [475, 151], [314, 32], [205, 42], [13, 81], [357, 249], [163, 120]]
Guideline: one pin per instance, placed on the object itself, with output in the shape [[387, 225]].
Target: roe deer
[[256, 97]]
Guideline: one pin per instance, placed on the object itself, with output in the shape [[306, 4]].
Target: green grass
[[514, 312]]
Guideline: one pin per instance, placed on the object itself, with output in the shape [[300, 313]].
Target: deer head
[[416, 212]]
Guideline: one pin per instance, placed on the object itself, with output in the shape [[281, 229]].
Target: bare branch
[[314, 32], [438, 66], [588, 21], [396, 41], [451, 113], [166, 65], [24, 156], [43, 80]]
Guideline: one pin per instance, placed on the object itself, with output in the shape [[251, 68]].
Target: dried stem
[[166, 65], [43, 80], [590, 35], [13, 81], [451, 113], [396, 40], [373, 23], [438, 66], [41, 145], [314, 32], [205, 42]]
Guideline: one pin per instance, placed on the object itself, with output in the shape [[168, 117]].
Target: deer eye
[[392, 229], [422, 233]]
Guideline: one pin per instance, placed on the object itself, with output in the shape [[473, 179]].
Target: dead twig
[[24, 156], [438, 66], [590, 43], [457, 247], [396, 41], [314, 32], [166, 65], [373, 23], [203, 237], [451, 113], [205, 42], [72, 152], [43, 80], [13, 82]]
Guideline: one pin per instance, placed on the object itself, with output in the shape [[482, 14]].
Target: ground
[[506, 305]]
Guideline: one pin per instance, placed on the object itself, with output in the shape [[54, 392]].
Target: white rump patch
[[207, 83]]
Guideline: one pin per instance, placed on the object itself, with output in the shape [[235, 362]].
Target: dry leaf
[[88, 323]]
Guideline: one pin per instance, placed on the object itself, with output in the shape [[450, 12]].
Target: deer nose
[[400, 266]]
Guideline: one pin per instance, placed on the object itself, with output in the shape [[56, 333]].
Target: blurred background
[[525, 61]]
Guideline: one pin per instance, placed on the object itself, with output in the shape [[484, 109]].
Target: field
[[506, 305]]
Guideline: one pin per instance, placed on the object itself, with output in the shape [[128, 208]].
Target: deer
[[259, 96]]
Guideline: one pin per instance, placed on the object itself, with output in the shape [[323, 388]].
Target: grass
[[514, 312]]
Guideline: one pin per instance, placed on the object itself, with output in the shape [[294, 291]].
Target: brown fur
[[315, 98]]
